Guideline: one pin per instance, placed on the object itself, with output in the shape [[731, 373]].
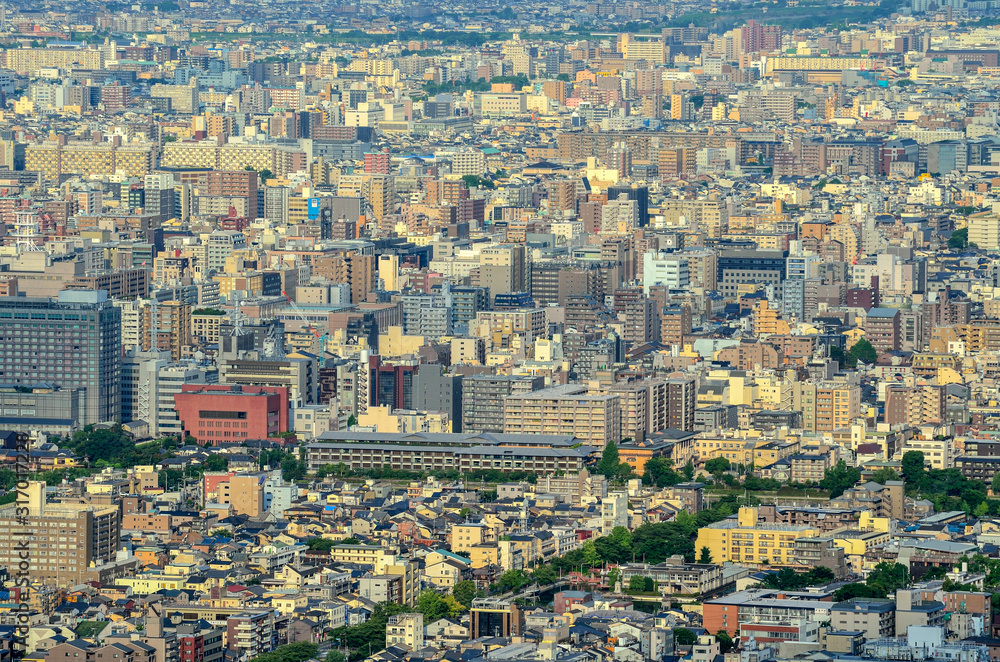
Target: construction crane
[[308, 325]]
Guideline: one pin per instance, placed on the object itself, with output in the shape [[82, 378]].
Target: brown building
[[675, 324], [66, 539], [882, 329], [245, 493], [166, 326], [915, 405]]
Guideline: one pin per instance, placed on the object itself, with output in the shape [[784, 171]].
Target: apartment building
[[730, 612], [56, 158], [67, 539], [568, 409], [30, 60], [746, 540], [166, 326], [915, 405], [882, 329], [827, 406], [406, 630]]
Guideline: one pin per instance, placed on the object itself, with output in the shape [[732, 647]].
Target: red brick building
[[215, 413]]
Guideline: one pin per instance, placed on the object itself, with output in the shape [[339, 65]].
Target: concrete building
[[483, 399], [73, 342], [569, 409], [90, 537], [406, 630]]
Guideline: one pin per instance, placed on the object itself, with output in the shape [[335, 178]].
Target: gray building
[[71, 342], [43, 407], [876, 617], [427, 315], [436, 391], [482, 399]]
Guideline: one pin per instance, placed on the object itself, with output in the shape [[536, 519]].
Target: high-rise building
[[71, 342], [567, 409], [757, 38], [882, 329], [66, 539], [483, 398], [166, 326], [638, 193], [434, 390], [682, 395]]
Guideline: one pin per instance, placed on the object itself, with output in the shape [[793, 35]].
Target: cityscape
[[359, 331]]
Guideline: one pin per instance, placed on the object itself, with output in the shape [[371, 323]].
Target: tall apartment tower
[[682, 393]]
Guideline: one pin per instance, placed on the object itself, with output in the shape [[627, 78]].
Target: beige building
[[55, 158], [30, 60], [470, 351], [206, 326], [167, 326], [501, 105], [244, 493], [183, 98], [64, 541], [466, 536], [568, 409], [827, 406], [406, 630]]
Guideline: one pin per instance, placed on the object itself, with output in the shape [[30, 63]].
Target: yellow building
[[146, 583], [767, 321], [54, 159], [746, 541], [745, 449], [394, 343]]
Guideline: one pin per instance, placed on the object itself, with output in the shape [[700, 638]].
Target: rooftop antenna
[[26, 232]]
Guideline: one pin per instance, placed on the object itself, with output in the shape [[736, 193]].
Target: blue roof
[[882, 312]]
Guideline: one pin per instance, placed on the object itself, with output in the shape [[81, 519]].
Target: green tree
[[660, 473], [855, 590], [432, 605], [614, 575], [863, 351], [717, 466], [959, 239], [725, 641], [995, 484], [839, 479], [685, 637], [885, 474], [887, 577], [705, 556], [465, 592], [512, 580], [216, 463], [610, 463], [351, 421], [292, 468], [369, 635], [335, 656], [544, 575], [913, 466], [297, 652], [320, 544], [637, 584]]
